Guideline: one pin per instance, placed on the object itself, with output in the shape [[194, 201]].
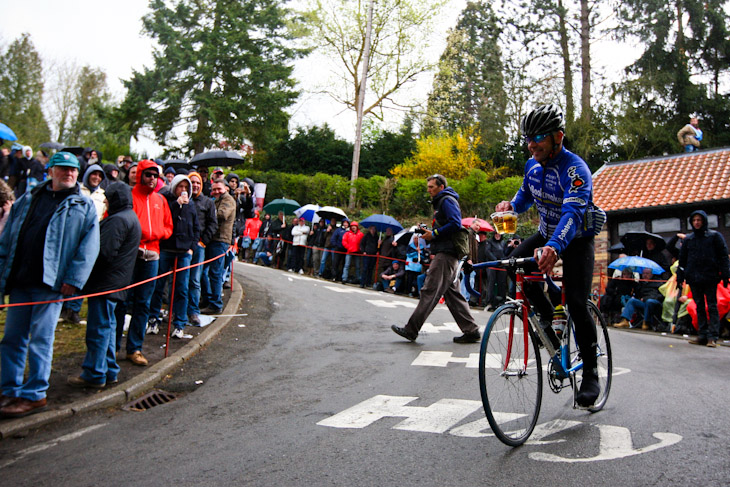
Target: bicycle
[[510, 364]]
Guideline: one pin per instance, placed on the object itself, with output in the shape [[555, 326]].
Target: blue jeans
[[216, 271], [690, 148], [140, 299], [346, 271], [100, 363], [419, 281], [29, 333], [323, 263], [264, 256], [194, 281], [648, 310], [180, 300], [74, 305], [368, 263], [386, 283]]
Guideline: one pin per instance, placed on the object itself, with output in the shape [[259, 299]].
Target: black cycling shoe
[[589, 390], [404, 333], [468, 338]]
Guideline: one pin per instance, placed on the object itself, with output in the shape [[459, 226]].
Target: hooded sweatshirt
[[96, 193], [120, 233], [186, 231], [153, 213], [207, 221], [703, 257]]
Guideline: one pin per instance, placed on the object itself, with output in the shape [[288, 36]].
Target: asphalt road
[[312, 388]]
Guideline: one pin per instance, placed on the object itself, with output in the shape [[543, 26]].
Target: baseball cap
[[64, 159]]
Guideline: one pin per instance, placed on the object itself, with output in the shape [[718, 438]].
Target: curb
[[137, 385]]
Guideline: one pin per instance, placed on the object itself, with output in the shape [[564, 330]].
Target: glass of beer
[[498, 222], [509, 219]]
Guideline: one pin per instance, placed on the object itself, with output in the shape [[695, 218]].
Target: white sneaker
[[153, 328], [301, 271], [179, 334]]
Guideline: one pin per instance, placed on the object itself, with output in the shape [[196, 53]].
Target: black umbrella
[[217, 158], [77, 151], [52, 145], [618, 248], [637, 241], [176, 163]]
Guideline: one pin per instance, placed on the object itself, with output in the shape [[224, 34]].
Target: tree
[[222, 70], [90, 96], [21, 91], [312, 150], [384, 149], [469, 87], [453, 155]]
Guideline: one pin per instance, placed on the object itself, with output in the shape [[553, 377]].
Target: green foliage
[[223, 69], [310, 151], [21, 92], [382, 150]]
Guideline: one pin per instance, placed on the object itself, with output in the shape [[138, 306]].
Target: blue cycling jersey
[[562, 192]]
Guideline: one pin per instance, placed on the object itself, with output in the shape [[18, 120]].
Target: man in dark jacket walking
[[120, 233], [441, 279], [703, 263], [369, 249]]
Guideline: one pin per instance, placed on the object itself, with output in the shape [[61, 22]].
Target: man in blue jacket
[[47, 251], [441, 278], [560, 186]]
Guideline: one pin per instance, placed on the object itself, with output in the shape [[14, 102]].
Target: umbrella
[[332, 213], [404, 236], [484, 226], [308, 213], [637, 241], [175, 163], [52, 145], [7, 133], [381, 223], [281, 204], [217, 158], [618, 248], [636, 263], [77, 151]]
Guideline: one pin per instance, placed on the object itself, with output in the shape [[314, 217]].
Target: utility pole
[[360, 105]]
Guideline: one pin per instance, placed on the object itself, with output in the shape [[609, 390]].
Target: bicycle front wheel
[[510, 376]]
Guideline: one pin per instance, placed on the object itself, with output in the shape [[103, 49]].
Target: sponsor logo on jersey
[[576, 181]]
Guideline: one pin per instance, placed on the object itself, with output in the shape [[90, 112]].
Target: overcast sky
[[107, 34]]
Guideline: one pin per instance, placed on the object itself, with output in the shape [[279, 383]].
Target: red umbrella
[[484, 226]]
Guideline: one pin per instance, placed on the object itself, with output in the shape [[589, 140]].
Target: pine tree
[[21, 91], [222, 70]]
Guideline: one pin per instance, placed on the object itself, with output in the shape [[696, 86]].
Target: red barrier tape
[[93, 295]]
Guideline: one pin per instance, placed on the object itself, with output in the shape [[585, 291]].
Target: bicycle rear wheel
[[605, 360], [511, 392]]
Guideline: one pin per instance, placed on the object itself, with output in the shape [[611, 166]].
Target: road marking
[[347, 290], [615, 443], [436, 418], [381, 303], [444, 415], [49, 444]]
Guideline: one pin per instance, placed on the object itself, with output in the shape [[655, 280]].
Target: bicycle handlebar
[[511, 262]]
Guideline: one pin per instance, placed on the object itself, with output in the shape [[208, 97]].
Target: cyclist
[[559, 184]]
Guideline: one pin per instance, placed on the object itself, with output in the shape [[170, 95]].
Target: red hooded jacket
[[152, 211]]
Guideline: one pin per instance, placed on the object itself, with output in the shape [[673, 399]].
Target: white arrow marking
[[442, 359], [346, 290], [615, 443]]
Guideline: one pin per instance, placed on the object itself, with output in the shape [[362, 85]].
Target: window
[[666, 225], [625, 227]]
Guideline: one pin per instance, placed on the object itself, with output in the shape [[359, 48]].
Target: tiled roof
[[663, 181]]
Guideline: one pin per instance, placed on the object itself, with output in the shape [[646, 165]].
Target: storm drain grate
[[149, 400]]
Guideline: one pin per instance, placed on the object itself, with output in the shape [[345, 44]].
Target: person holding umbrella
[[703, 263]]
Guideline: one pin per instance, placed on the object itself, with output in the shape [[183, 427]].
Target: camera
[[421, 228]]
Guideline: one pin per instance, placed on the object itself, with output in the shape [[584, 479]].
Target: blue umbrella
[[308, 213], [381, 223], [7, 133], [637, 263]]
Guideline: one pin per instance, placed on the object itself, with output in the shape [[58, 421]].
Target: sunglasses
[[150, 175], [537, 138]]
